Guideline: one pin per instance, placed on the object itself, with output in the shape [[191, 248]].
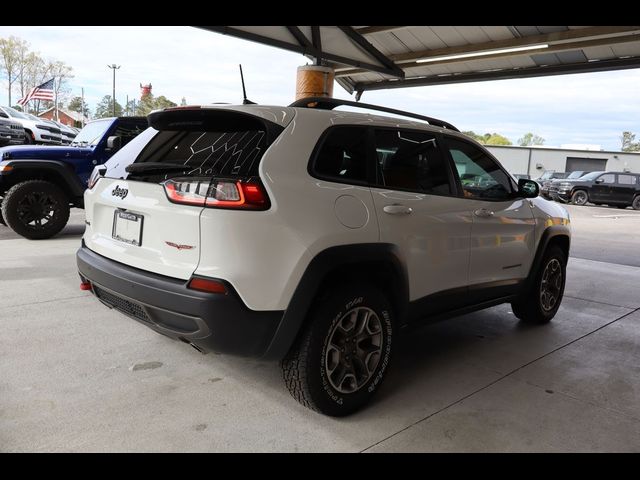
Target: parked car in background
[[49, 125], [11, 133], [620, 189], [544, 191], [545, 180], [37, 130], [39, 184], [67, 133]]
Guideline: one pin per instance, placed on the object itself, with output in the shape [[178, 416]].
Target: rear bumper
[[212, 322]]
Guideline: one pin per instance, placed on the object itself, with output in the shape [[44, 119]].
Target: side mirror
[[599, 180], [528, 188], [114, 143]]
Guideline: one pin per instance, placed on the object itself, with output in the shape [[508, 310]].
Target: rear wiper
[[155, 167]]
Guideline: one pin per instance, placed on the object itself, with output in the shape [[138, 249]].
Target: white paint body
[[263, 254]]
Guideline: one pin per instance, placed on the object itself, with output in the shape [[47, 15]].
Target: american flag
[[41, 92]]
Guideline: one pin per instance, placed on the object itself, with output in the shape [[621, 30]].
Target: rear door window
[[410, 160]]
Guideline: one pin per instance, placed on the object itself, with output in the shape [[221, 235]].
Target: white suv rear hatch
[[130, 218], [141, 228]]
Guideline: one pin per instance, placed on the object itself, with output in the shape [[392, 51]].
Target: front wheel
[[29, 139], [636, 203], [342, 356], [541, 301], [36, 209], [579, 197]]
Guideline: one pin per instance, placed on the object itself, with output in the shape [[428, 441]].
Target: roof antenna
[[246, 101]]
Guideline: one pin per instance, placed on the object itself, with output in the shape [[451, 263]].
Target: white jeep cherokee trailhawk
[[313, 236]]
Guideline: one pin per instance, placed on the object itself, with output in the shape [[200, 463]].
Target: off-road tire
[[579, 197], [35, 192], [307, 368], [532, 306]]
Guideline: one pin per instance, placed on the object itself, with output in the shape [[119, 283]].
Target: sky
[[201, 66]]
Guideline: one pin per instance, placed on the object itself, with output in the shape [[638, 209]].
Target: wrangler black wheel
[[36, 209]]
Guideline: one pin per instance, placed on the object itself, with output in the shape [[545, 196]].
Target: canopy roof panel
[[380, 57]]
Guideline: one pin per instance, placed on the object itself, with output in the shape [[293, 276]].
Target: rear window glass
[[208, 153], [627, 179], [202, 143]]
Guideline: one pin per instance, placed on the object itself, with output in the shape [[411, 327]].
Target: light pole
[[114, 67]]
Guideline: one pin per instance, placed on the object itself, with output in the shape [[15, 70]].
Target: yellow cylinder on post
[[314, 81]]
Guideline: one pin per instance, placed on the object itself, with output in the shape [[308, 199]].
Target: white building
[[535, 160]]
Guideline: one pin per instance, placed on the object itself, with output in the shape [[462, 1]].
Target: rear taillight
[[218, 193]]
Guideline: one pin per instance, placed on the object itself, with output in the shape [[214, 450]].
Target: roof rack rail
[[327, 103]]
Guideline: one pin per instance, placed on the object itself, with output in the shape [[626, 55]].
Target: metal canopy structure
[[381, 57]]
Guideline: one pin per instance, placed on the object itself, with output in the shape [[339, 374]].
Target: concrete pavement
[[75, 376]]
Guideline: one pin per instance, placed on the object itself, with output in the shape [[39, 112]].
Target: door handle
[[397, 210], [483, 212]]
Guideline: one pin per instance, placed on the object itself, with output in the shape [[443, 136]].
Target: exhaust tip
[[182, 339]]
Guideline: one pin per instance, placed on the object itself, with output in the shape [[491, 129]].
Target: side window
[[609, 178], [626, 179], [343, 155], [480, 175], [128, 131], [409, 160], [3, 115]]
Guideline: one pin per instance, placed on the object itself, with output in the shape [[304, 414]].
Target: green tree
[[628, 144], [475, 136], [497, 139], [148, 103], [489, 138], [131, 108], [105, 108], [530, 139], [76, 104], [11, 49], [33, 72], [61, 72]]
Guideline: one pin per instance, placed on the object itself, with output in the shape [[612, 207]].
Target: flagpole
[[55, 91], [82, 109]]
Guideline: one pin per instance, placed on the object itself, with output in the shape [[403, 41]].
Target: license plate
[[127, 227]]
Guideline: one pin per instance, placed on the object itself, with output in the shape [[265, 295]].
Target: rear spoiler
[[210, 119]]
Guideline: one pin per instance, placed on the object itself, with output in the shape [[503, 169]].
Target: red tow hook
[[85, 285]]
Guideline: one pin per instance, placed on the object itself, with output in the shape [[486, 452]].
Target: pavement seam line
[[581, 400], [45, 301], [602, 303], [602, 261], [490, 384]]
